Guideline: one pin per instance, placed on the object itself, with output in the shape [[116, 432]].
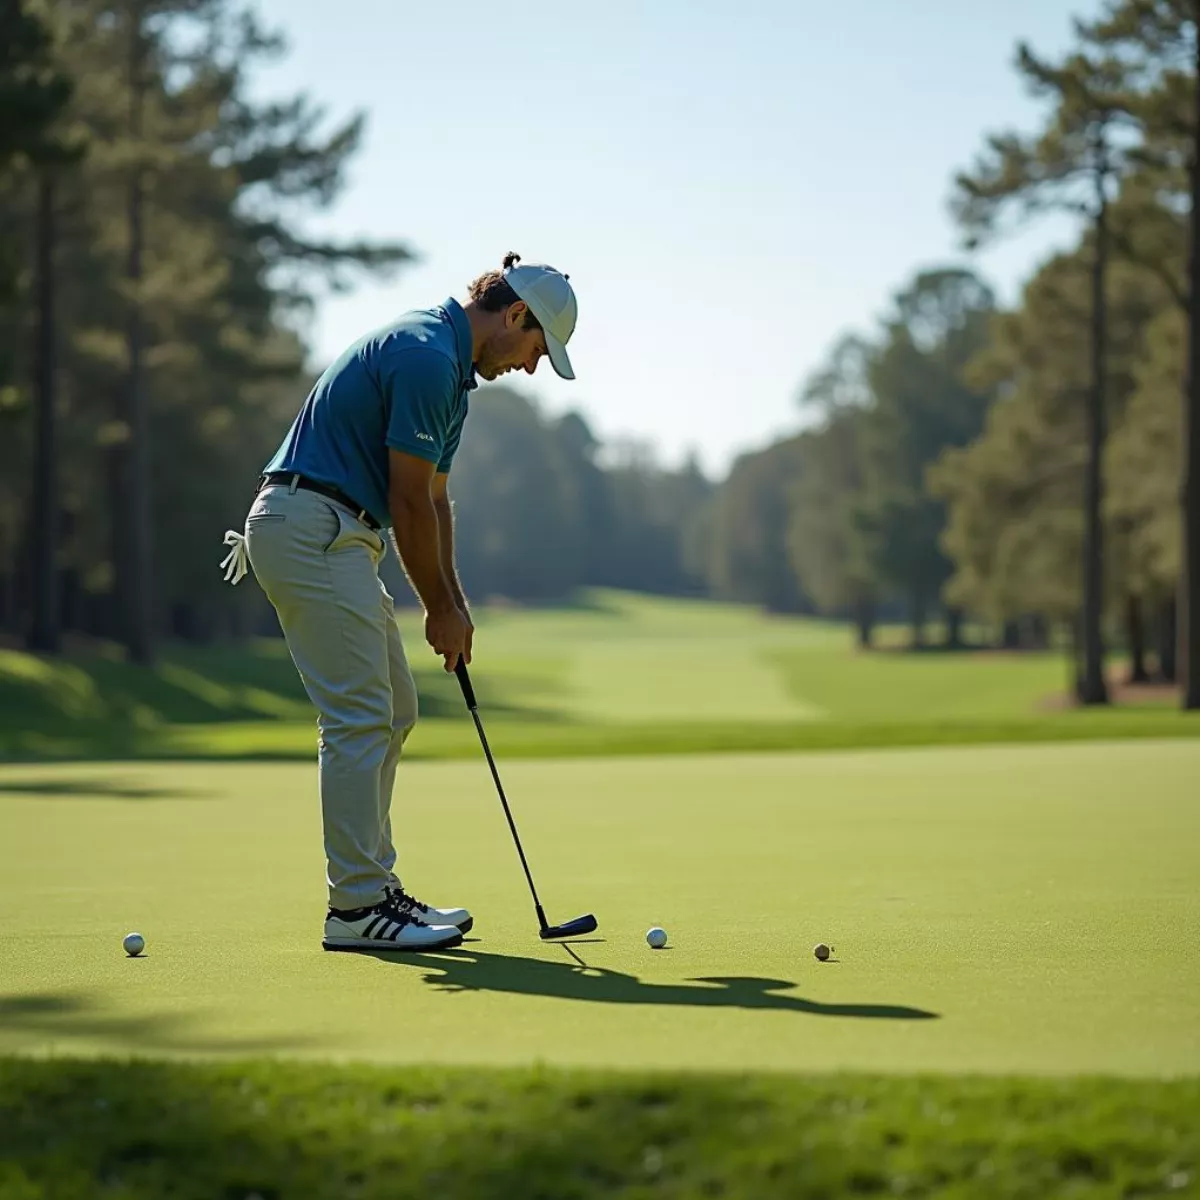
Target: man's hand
[[450, 632]]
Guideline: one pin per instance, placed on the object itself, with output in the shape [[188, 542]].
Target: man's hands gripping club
[[450, 634], [422, 526]]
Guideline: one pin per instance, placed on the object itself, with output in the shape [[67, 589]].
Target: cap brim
[[558, 357]]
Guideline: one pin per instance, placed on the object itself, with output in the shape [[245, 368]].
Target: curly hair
[[493, 293]]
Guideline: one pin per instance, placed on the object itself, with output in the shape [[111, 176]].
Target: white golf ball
[[134, 944], [656, 938]]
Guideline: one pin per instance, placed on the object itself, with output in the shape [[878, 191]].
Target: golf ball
[[822, 951], [134, 944], [656, 938]]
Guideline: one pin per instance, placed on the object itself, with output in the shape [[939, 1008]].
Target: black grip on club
[[464, 681]]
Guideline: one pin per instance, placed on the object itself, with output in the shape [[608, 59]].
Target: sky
[[731, 187]]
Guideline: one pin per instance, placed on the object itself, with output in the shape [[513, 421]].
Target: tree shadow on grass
[[476, 971], [36, 1021], [106, 789]]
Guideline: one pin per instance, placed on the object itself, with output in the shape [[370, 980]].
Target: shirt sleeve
[[451, 446], [421, 388]]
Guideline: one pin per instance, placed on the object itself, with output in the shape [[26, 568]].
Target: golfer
[[371, 450]]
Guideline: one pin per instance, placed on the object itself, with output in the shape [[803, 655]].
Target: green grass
[[154, 1130], [616, 674], [1010, 1010], [1009, 909]]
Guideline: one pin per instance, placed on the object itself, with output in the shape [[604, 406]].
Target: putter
[[580, 925]]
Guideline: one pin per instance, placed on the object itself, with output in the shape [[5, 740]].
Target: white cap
[[551, 299]]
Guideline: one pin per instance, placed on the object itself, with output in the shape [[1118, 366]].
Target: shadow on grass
[[37, 1021], [96, 788], [507, 691], [476, 971], [98, 706]]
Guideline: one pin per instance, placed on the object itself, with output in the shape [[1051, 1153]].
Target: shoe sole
[[352, 944]]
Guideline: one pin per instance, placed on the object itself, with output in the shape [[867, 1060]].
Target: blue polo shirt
[[403, 387]]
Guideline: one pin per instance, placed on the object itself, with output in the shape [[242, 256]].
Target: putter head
[[575, 928]]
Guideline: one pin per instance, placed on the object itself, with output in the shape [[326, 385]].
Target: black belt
[[324, 489]]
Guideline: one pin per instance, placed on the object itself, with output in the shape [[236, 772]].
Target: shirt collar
[[462, 339]]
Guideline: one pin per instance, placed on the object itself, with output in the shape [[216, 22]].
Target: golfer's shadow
[[477, 971]]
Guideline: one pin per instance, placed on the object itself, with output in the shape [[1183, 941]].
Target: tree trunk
[[190, 622], [8, 602], [1039, 632], [1189, 616], [1135, 637], [954, 620], [1167, 642], [138, 615], [1092, 688], [917, 617], [1075, 648], [110, 623], [45, 627], [864, 621], [72, 600]]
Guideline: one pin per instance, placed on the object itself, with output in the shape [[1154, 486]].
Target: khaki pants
[[319, 566]]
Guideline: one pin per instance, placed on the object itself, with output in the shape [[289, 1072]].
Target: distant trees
[[838, 518], [538, 516], [1037, 467], [833, 564], [923, 404], [748, 551], [1120, 146], [167, 262]]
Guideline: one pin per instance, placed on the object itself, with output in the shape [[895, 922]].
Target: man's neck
[[480, 323]]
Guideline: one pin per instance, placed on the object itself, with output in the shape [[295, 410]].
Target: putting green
[[1004, 909]]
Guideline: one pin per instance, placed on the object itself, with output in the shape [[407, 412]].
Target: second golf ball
[[656, 938]]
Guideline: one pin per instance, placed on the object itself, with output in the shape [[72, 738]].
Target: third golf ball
[[656, 938], [134, 944]]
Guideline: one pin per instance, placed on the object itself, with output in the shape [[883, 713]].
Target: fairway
[[616, 673], [1007, 909]]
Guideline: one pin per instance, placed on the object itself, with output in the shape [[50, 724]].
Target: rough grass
[[154, 1130]]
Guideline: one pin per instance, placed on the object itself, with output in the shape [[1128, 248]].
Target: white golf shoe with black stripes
[[426, 914], [388, 925]]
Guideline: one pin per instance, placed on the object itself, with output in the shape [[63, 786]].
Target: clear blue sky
[[730, 186]]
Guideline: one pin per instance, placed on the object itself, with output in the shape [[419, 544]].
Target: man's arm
[[416, 526], [445, 514]]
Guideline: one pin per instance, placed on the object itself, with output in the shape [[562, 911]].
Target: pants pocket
[[351, 532]]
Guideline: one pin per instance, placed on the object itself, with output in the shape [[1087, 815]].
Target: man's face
[[512, 347]]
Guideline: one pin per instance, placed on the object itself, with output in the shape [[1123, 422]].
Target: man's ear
[[515, 314]]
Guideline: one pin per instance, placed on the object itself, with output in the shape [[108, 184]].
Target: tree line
[[1032, 468], [1038, 468]]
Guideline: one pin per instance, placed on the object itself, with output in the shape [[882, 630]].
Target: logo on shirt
[[424, 437]]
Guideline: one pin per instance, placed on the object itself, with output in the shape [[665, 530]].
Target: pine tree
[[1157, 44], [180, 268], [1071, 165]]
